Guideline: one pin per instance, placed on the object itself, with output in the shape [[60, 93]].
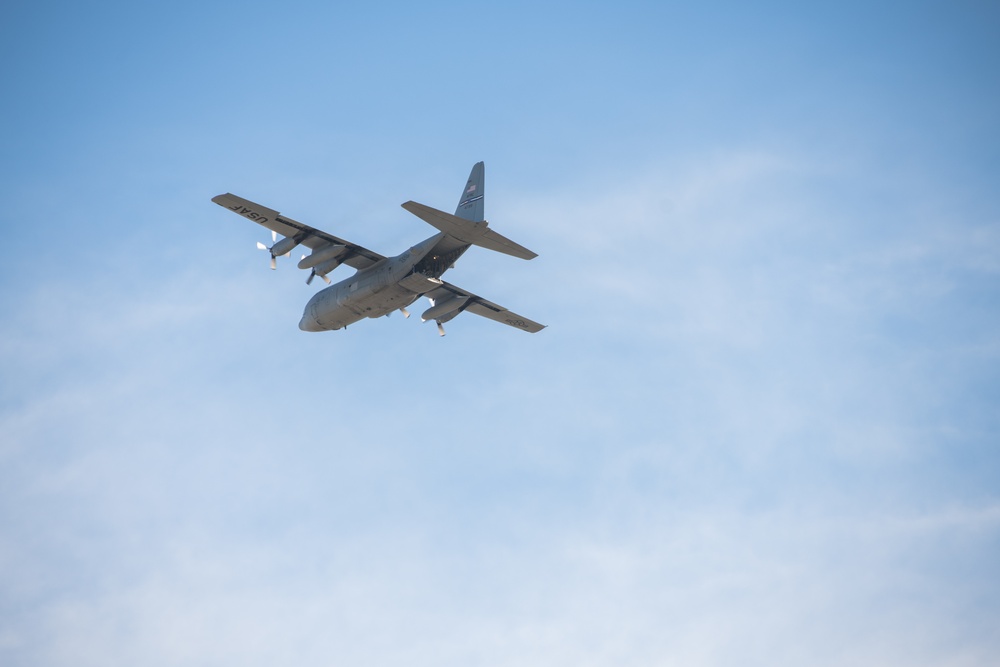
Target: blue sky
[[761, 427]]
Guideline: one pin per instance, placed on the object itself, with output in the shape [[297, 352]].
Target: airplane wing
[[483, 308], [357, 256]]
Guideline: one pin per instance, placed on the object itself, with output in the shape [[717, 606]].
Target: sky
[[761, 427]]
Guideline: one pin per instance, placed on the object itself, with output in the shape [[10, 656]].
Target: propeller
[[322, 262], [274, 242], [313, 274]]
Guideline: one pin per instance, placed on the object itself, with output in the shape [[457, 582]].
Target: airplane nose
[[309, 321]]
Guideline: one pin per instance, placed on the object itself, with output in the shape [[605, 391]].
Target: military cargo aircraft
[[381, 284]]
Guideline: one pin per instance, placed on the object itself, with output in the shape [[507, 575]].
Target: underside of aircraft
[[382, 284]]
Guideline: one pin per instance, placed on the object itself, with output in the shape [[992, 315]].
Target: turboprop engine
[[443, 307], [282, 247], [322, 261]]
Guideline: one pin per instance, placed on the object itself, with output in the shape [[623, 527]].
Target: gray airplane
[[384, 284]]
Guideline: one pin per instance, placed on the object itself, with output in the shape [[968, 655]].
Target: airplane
[[381, 284]]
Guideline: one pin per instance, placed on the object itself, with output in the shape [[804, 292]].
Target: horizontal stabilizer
[[476, 233]]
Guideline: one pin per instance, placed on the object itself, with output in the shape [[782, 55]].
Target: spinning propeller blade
[[261, 246]]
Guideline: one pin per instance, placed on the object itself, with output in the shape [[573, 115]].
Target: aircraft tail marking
[[470, 205]]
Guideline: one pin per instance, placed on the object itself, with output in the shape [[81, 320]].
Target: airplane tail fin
[[470, 205], [468, 225]]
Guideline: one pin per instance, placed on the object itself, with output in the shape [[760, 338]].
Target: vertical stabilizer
[[470, 206]]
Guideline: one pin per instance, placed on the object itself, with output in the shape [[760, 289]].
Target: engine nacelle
[[284, 246], [441, 308], [321, 255], [326, 267]]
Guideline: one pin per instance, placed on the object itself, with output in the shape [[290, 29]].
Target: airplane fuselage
[[377, 290]]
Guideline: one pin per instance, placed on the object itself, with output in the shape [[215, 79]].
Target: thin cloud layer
[[721, 467], [759, 429]]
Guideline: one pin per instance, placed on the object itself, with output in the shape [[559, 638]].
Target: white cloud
[[725, 449]]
